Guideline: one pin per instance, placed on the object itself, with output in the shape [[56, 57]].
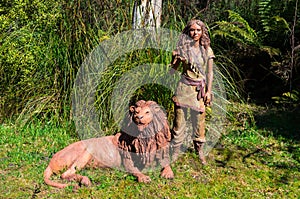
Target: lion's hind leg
[[70, 173]]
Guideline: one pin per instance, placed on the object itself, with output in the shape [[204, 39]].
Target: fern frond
[[237, 29], [270, 50], [280, 20], [236, 18], [269, 19]]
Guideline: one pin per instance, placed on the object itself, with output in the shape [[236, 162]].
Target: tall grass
[[41, 56]]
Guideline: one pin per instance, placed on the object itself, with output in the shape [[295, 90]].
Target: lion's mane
[[150, 143]]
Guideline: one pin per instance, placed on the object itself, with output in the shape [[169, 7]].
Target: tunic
[[191, 88]]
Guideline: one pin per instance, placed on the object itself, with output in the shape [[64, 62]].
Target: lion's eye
[[147, 112]]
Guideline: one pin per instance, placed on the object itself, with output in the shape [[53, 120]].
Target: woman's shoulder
[[210, 52]]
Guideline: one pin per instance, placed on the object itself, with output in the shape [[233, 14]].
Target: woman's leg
[[178, 131], [198, 122]]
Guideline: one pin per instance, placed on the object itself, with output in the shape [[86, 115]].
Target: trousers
[[179, 125]]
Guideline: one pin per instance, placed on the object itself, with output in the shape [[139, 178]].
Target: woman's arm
[[176, 59], [209, 78]]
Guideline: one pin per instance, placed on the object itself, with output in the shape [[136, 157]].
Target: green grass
[[250, 161]]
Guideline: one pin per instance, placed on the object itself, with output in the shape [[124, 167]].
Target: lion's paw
[[143, 178], [167, 173], [86, 181]]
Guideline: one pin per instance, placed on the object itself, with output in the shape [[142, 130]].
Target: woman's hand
[[208, 98], [175, 63], [180, 58], [171, 70]]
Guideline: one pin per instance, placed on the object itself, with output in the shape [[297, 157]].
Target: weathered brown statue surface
[[144, 139]]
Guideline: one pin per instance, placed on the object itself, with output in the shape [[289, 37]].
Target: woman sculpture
[[194, 56]]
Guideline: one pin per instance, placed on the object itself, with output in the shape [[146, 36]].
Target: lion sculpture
[[144, 139]]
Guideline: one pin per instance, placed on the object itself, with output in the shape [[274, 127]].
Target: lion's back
[[104, 152]]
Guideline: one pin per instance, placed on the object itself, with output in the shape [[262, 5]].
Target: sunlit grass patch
[[248, 162]]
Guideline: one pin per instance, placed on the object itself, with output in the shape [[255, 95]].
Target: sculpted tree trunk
[[147, 14]]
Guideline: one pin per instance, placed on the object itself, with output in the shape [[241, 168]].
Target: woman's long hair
[[204, 40], [183, 48]]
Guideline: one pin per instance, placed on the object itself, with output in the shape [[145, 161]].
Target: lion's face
[[142, 114], [145, 123]]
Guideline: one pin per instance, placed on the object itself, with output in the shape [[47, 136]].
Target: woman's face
[[195, 32]]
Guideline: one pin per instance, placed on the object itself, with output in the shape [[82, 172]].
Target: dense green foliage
[[43, 44]]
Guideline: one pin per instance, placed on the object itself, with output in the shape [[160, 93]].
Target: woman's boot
[[199, 146]]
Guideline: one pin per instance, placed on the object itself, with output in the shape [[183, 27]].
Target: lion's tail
[[47, 175]]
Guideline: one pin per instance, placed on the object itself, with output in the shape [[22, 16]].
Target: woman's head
[[192, 30]]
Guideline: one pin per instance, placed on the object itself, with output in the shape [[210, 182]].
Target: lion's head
[[142, 113], [145, 131], [145, 119]]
